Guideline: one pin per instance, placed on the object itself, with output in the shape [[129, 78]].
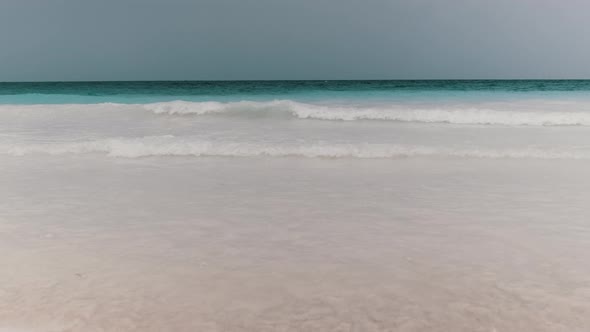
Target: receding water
[[295, 206]]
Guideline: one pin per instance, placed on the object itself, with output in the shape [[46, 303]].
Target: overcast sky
[[293, 39]]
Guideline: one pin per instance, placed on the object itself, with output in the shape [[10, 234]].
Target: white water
[[521, 129], [534, 114], [516, 113], [171, 146]]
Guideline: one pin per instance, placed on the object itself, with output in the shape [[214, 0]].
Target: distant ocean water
[[143, 92], [354, 119]]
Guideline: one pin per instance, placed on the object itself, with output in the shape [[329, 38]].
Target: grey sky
[[293, 39]]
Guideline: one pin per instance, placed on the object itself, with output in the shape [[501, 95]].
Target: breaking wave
[[173, 146], [573, 114], [476, 116]]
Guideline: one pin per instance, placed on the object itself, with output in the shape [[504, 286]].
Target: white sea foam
[[535, 114], [240, 107], [454, 115], [172, 146]]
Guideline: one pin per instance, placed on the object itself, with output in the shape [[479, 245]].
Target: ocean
[[334, 119], [295, 206]]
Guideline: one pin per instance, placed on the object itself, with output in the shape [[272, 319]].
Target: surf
[[507, 115], [168, 145]]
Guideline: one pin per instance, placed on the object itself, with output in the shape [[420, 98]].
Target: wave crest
[[469, 115], [515, 115], [172, 146]]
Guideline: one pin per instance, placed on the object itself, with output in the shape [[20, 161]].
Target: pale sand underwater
[[452, 206], [90, 243]]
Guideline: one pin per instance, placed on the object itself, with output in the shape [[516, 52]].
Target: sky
[[81, 40]]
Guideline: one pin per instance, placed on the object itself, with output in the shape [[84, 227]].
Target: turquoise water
[[147, 92], [333, 119]]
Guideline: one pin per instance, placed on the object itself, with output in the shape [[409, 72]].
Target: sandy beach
[[279, 244]]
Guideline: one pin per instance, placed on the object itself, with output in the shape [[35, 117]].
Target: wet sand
[[90, 243]]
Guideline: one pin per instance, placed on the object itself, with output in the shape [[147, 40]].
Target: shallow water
[[281, 244], [348, 214]]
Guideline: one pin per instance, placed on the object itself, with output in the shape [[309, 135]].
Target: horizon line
[[303, 80]]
